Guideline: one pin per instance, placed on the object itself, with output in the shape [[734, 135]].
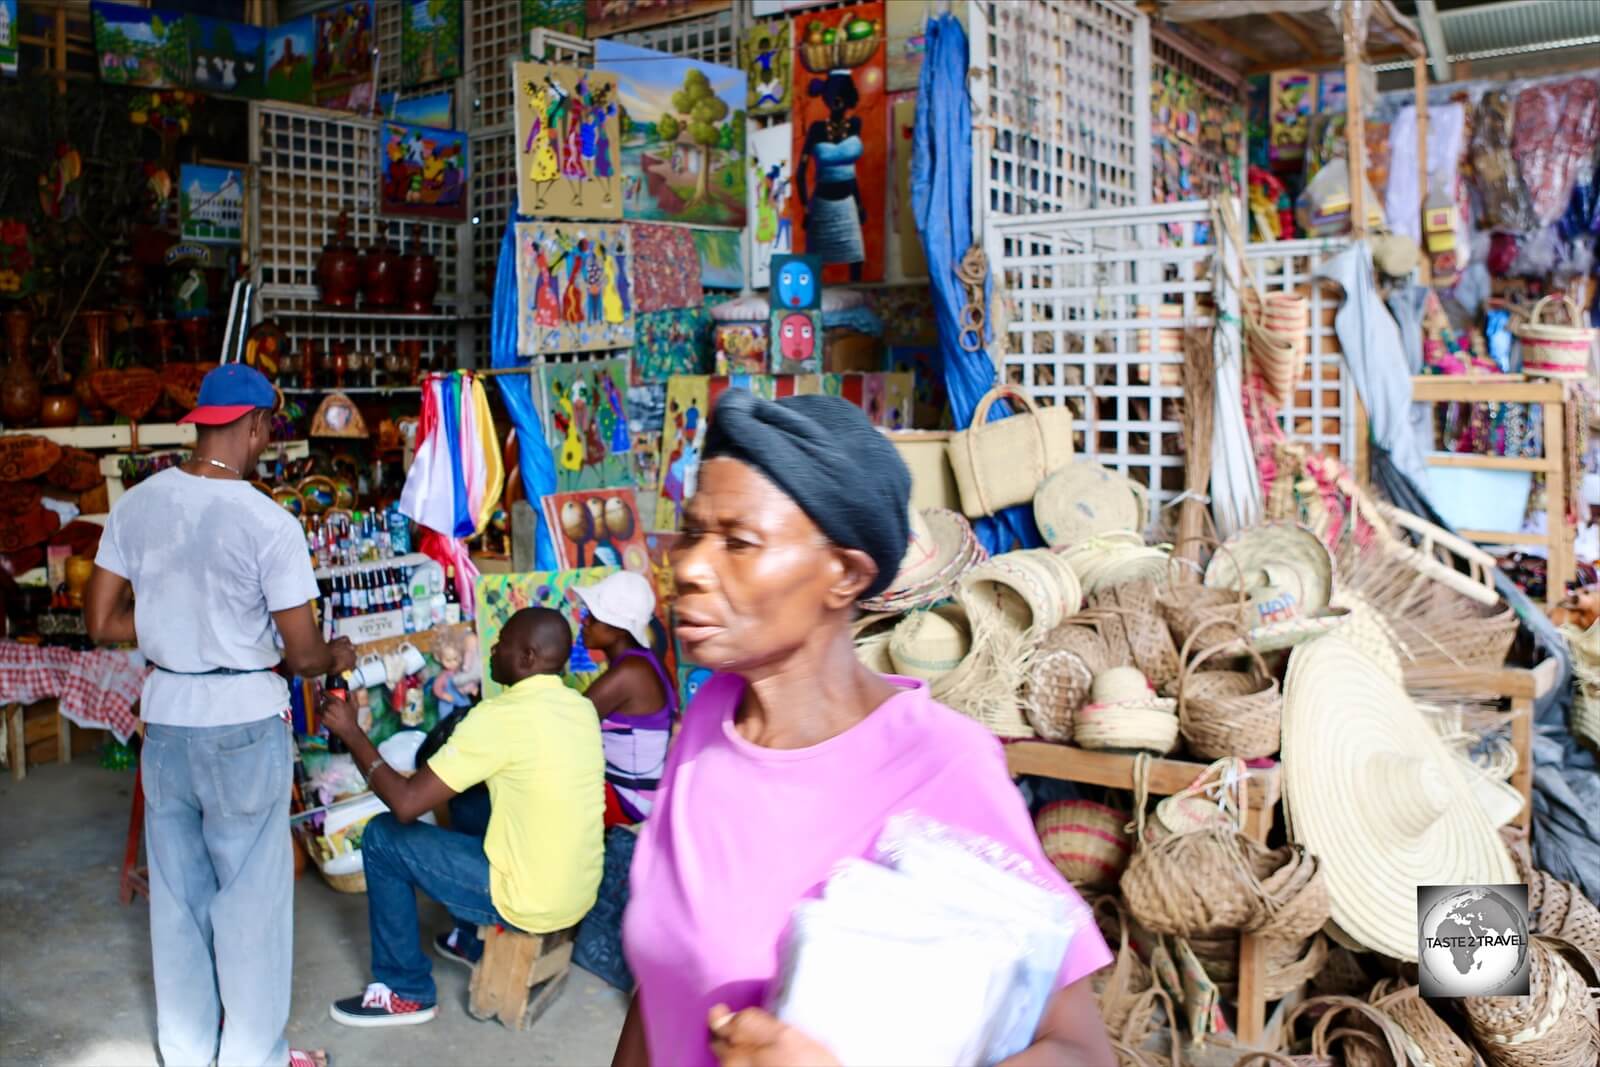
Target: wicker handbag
[[1553, 351], [1428, 1037], [1001, 464], [1189, 606], [1148, 638], [1227, 713]]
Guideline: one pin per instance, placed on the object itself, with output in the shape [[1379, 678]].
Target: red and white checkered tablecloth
[[97, 689]]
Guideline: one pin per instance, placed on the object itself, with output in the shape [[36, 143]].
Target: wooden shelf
[[1488, 463], [151, 434], [1168, 776], [1551, 396]]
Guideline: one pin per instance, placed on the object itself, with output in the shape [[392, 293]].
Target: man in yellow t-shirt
[[537, 746]]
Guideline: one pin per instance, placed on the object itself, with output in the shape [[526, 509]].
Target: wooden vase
[[339, 268], [419, 273], [97, 330], [381, 272], [20, 395]]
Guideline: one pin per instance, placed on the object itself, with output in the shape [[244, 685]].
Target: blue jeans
[[401, 858], [216, 831], [469, 814]]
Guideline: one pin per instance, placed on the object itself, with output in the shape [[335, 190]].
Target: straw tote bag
[[998, 464]]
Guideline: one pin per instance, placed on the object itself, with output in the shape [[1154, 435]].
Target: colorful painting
[[434, 109], [647, 475], [430, 41], [288, 60], [8, 37], [343, 53], [763, 8], [660, 280], [896, 401], [358, 98], [721, 255], [841, 142], [423, 172], [501, 596], [597, 528], [226, 56], [771, 182], [671, 342], [907, 242], [683, 135], [586, 423], [210, 203], [567, 141], [682, 435], [573, 287], [796, 341], [606, 17], [740, 347], [562, 16], [796, 283], [930, 405], [767, 56], [1294, 93], [146, 47]]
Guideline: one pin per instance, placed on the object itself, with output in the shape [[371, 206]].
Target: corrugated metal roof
[[1518, 24]]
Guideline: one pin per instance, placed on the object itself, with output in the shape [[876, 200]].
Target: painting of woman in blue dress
[[833, 213]]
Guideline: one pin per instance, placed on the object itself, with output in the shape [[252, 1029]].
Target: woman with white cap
[[635, 698]]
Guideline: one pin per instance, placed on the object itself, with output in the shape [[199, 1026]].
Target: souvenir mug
[[369, 672], [413, 660]]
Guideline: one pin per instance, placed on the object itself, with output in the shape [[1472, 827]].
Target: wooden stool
[[519, 975]]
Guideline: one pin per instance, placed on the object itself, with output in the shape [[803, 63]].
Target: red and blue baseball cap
[[230, 392]]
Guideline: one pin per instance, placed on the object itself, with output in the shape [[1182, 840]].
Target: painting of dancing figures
[[567, 139], [586, 423], [573, 288]]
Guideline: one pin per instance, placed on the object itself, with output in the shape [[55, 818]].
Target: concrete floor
[[75, 965]]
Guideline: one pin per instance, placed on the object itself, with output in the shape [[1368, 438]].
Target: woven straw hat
[[1274, 558], [1125, 714], [1372, 791], [928, 645], [942, 548], [1083, 500]]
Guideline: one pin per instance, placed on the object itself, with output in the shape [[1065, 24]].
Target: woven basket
[[1553, 351], [1276, 354], [1367, 1037], [1143, 628], [1202, 883], [1188, 606], [1286, 965], [1228, 713], [1063, 674], [1294, 895], [1128, 993], [1089, 843], [1554, 1026], [1428, 1037], [1581, 926], [978, 688], [355, 882], [928, 645]]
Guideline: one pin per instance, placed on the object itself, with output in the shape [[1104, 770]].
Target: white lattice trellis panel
[[1097, 309], [311, 165], [1323, 411], [709, 38], [1062, 105], [388, 17], [493, 42]]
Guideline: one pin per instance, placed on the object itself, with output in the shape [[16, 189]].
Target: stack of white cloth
[[942, 952]]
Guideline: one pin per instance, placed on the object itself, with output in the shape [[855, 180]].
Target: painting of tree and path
[[683, 136]]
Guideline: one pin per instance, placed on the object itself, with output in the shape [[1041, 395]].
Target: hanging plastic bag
[[1323, 207], [1555, 132]]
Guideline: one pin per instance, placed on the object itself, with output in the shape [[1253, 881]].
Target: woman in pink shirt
[[794, 756]]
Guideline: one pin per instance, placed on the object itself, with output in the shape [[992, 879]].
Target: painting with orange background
[[597, 528]]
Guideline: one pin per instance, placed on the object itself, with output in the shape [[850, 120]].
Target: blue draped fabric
[[450, 422], [941, 201], [537, 462]]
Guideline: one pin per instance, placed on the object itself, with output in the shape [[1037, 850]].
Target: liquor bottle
[[406, 606], [334, 685], [452, 605]]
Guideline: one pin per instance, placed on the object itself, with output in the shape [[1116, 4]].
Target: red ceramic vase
[[339, 268], [419, 272], [381, 272]]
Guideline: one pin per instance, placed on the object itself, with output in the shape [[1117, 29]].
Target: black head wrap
[[838, 468]]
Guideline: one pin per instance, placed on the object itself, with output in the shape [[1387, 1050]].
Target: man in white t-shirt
[[200, 568]]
